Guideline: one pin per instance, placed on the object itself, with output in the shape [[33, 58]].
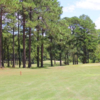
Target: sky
[[78, 7]]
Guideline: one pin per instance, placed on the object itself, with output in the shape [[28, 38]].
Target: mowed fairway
[[73, 82]]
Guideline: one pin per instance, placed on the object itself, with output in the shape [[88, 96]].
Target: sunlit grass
[[73, 82]]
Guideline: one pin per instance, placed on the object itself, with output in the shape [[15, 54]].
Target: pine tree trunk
[[13, 50], [4, 50], [29, 63], [84, 56], [1, 37], [38, 49], [11, 62], [51, 57], [8, 55], [60, 55], [77, 58], [84, 59], [77, 52], [24, 50], [2, 53], [88, 56], [42, 51], [54, 54], [67, 58], [60, 59], [73, 59], [19, 52]]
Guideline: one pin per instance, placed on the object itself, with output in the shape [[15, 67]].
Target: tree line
[[32, 31]]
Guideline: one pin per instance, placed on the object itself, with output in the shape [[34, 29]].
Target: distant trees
[[85, 38]]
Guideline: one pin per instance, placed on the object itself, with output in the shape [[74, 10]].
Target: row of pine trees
[[32, 30]]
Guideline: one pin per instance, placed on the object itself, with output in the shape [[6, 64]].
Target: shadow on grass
[[46, 65]]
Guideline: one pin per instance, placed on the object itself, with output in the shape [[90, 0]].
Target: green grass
[[73, 82]]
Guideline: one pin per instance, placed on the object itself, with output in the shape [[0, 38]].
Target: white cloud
[[97, 22], [69, 8], [88, 4], [85, 4]]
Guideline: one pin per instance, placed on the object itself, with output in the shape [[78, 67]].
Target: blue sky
[[78, 7]]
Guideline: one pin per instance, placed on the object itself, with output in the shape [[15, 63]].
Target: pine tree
[[3, 3]]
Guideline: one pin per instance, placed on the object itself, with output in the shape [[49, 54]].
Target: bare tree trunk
[[5, 44], [1, 38], [60, 60], [4, 49], [73, 59], [13, 50], [77, 58], [88, 57], [85, 55], [29, 63], [42, 50], [60, 55], [51, 57], [19, 53], [77, 53], [67, 58], [2, 52], [24, 50], [8, 55], [38, 49]]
